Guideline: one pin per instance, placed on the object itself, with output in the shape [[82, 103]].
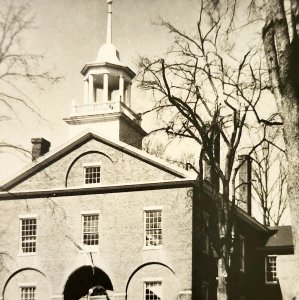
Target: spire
[[109, 23], [108, 52], [107, 96]]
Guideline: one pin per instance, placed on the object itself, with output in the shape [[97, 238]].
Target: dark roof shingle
[[281, 237]]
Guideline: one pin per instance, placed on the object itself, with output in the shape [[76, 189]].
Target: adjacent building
[[99, 217]]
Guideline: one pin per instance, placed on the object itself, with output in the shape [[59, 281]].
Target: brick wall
[[120, 250], [117, 167]]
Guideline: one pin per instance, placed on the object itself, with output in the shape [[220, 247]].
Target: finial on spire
[[109, 22]]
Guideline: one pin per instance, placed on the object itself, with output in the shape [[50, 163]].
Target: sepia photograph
[[149, 149]]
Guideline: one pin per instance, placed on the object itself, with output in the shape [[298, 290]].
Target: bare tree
[[269, 177], [207, 93], [280, 35], [18, 66], [281, 44], [158, 149]]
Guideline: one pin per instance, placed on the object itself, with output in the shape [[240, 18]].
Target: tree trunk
[[222, 280], [283, 62], [290, 113]]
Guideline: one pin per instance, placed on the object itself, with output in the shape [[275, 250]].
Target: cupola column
[[106, 87], [85, 91], [91, 89], [121, 88], [128, 98]]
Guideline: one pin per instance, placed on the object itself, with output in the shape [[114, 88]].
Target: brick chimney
[[245, 183], [40, 146]]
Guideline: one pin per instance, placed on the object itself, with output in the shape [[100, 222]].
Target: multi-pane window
[[204, 290], [90, 229], [28, 235], [28, 293], [153, 228], [205, 238], [153, 290], [271, 275], [92, 174], [241, 253]]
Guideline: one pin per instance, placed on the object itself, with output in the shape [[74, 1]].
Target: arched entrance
[[85, 280]]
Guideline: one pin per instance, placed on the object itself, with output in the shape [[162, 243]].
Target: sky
[[68, 33]]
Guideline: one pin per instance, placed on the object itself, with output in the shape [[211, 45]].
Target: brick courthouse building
[[100, 216]]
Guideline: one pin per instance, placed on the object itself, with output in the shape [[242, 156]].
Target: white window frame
[[205, 285], [241, 252], [266, 269], [149, 280], [89, 248], [145, 211], [27, 285], [21, 219], [205, 238], [92, 165]]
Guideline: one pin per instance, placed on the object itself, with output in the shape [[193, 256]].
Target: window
[[204, 291], [28, 235], [153, 290], [90, 229], [153, 228], [28, 293], [270, 267], [241, 253], [205, 238], [92, 174]]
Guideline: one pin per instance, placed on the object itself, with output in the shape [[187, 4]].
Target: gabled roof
[[281, 238], [80, 139], [250, 220]]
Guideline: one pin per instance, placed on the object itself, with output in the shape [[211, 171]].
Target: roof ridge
[[51, 155]]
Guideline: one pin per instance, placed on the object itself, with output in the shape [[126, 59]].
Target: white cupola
[[107, 96]]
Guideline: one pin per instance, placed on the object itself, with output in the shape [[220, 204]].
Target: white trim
[[27, 284], [188, 292], [91, 165], [89, 248], [146, 248], [145, 210], [29, 216], [20, 254], [120, 184], [57, 297], [152, 279], [266, 269], [149, 208], [90, 212]]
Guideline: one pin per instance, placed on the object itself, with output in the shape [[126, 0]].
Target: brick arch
[[80, 156], [17, 272], [142, 266], [84, 278]]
